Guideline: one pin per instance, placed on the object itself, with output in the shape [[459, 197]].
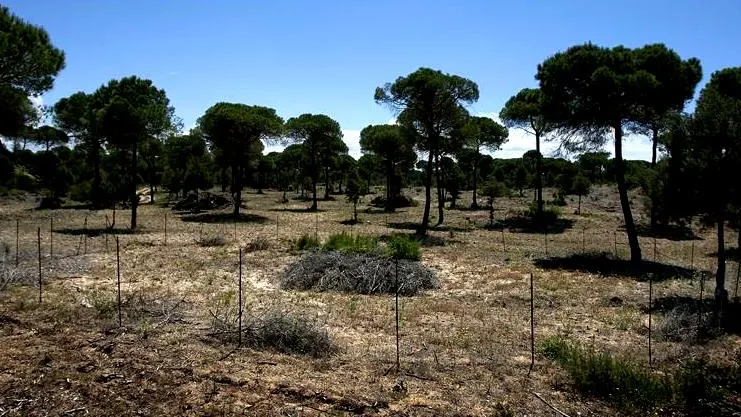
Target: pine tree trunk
[[326, 183], [134, 197], [389, 192], [475, 203], [440, 192], [578, 208], [539, 179], [721, 294], [236, 189], [630, 228], [428, 197]]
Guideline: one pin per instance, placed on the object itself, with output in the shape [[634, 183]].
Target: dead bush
[[360, 273], [271, 329]]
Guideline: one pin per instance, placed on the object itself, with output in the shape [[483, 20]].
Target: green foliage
[[698, 387], [550, 214], [581, 185], [614, 379], [306, 242], [403, 246], [321, 140], [343, 242], [394, 147], [430, 104], [28, 60]]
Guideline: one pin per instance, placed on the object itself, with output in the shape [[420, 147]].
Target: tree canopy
[[588, 90], [321, 138], [237, 131], [431, 104], [394, 146]]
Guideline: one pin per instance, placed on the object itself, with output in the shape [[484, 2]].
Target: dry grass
[[464, 345]]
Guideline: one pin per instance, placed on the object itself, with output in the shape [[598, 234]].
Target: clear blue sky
[[328, 56]]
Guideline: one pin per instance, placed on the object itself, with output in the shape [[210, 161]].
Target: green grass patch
[[306, 242], [343, 242], [403, 247], [698, 387], [617, 380]]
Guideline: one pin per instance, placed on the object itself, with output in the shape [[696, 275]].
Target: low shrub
[[273, 329], [306, 242], [403, 247], [398, 201], [360, 273], [600, 374], [257, 244], [344, 242], [210, 241], [10, 275], [549, 215], [696, 388]]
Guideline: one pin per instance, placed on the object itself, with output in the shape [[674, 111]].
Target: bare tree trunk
[[389, 173], [539, 178], [134, 196], [630, 228], [440, 192], [578, 208], [236, 188], [721, 294], [655, 139], [326, 183], [474, 202], [428, 197]]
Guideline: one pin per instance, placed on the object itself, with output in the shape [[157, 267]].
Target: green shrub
[[344, 242], [403, 247], [615, 379], [306, 242], [549, 216]]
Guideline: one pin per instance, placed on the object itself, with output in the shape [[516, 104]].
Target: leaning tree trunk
[[630, 228], [428, 197], [134, 196]]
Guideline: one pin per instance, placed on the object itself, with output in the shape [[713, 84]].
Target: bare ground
[[465, 347]]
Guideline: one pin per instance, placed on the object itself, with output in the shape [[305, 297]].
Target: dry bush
[[686, 324], [210, 241], [257, 244], [357, 273], [272, 329]]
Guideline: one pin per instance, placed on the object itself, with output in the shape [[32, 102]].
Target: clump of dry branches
[[359, 273], [271, 329]]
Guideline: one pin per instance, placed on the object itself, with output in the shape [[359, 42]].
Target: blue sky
[[328, 56]]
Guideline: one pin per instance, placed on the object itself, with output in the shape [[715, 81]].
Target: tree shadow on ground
[[688, 312], [224, 218], [95, 231], [349, 222], [415, 226], [425, 241], [524, 224], [732, 254], [297, 210], [607, 265], [670, 232]]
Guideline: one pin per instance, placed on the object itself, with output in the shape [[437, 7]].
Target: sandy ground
[[465, 347]]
